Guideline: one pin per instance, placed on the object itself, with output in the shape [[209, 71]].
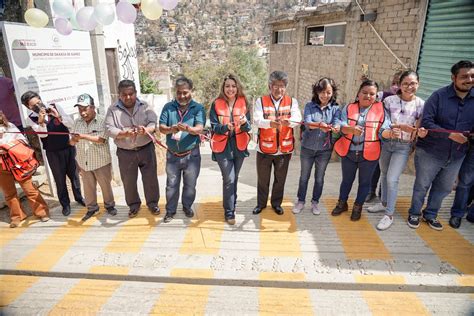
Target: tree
[[207, 76], [147, 84]]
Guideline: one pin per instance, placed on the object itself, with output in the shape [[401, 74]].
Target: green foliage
[[147, 84], [244, 63]]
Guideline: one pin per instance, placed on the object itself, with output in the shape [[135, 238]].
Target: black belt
[[136, 148]]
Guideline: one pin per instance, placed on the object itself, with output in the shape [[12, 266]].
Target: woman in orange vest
[[363, 124], [8, 133], [230, 122]]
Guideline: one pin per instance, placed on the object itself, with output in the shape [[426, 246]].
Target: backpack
[[19, 159]]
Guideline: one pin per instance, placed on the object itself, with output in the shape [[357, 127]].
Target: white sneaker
[[385, 222], [376, 208], [315, 208], [299, 206]]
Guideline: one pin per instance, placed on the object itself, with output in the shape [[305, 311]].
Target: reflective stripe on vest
[[271, 140], [371, 143], [219, 141]]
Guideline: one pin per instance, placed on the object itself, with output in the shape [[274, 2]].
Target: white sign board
[[58, 67]]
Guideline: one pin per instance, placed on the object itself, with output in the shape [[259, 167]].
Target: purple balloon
[[126, 12], [63, 26], [168, 4]]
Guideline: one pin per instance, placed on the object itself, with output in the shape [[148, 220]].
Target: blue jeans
[[320, 160], [188, 168], [393, 161], [350, 164], [465, 183], [439, 174], [230, 169]]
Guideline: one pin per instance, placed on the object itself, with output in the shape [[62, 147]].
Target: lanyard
[[182, 115]]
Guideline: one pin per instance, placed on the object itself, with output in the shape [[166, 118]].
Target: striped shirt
[[92, 156]]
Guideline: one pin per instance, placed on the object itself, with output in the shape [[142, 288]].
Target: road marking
[[180, 299], [274, 301], [204, 234], [449, 245], [359, 239], [391, 303], [278, 233], [12, 286]]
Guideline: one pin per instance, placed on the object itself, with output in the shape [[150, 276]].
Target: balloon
[[63, 26], [74, 23], [151, 9], [85, 18], [63, 8], [169, 4], [104, 13], [134, 1], [126, 12], [36, 18]]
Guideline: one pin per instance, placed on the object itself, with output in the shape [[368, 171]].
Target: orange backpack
[[19, 159]]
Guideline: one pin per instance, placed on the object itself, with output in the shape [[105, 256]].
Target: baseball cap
[[84, 100]]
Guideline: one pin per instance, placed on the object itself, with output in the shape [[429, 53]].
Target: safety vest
[[219, 141], [371, 143], [271, 140]]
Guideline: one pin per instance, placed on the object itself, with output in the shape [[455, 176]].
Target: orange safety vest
[[371, 143], [219, 141], [272, 139]]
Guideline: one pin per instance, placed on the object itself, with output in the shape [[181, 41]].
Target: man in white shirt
[[61, 155], [276, 115]]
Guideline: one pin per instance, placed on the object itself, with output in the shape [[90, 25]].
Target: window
[[326, 35], [284, 36]]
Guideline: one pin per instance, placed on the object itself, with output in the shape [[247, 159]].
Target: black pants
[[129, 163], [375, 180], [62, 164], [264, 168]]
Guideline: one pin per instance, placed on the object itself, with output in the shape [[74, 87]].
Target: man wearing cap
[[128, 121], [61, 155], [93, 156]]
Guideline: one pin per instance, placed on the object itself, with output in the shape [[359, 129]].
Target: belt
[[136, 148], [182, 154]]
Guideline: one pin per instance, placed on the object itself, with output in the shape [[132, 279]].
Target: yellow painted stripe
[[203, 235], [359, 239], [391, 303], [7, 234], [184, 299], [466, 280], [278, 234], [133, 233], [87, 297], [50, 251], [12, 286], [278, 301], [449, 245]]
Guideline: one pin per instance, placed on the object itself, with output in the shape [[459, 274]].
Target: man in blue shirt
[[182, 120], [440, 154]]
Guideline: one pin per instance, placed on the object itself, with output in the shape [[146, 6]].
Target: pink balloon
[[126, 12], [169, 4], [63, 26]]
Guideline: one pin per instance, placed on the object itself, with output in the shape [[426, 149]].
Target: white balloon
[[85, 18], [63, 8], [169, 4], [104, 13]]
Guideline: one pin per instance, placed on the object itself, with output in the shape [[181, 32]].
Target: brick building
[[334, 40]]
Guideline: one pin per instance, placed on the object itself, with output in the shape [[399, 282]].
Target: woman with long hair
[[321, 116], [8, 134], [405, 110], [230, 122], [363, 124]]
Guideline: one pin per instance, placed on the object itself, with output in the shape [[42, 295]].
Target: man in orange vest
[[275, 115]]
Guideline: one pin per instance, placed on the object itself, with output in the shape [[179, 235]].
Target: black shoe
[[230, 217], [155, 210], [278, 209], [112, 211], [434, 223], [81, 201], [455, 222], [470, 219], [413, 221], [89, 214], [188, 212], [371, 197], [257, 210], [168, 218], [356, 212], [66, 210], [340, 208], [132, 213]]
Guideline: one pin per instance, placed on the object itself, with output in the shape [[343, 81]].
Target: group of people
[[365, 133]]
